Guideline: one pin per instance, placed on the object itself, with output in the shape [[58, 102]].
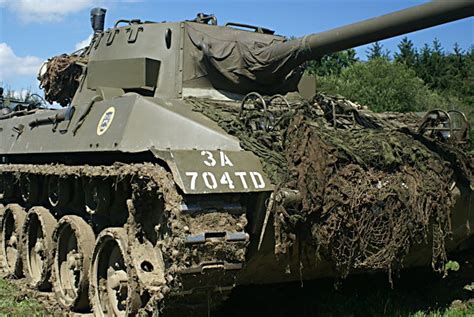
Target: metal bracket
[[111, 36], [133, 35], [218, 235]]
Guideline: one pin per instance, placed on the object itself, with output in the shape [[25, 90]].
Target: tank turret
[[273, 68], [202, 59]]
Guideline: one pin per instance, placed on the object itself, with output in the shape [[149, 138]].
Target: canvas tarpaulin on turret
[[237, 61]]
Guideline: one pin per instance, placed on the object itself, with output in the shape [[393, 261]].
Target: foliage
[[415, 80], [469, 287], [332, 64], [451, 312], [376, 51], [383, 85], [407, 54], [452, 266]]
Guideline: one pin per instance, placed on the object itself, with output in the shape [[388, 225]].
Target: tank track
[[180, 254]]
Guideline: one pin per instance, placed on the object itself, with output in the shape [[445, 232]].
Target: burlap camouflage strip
[[371, 190], [61, 78]]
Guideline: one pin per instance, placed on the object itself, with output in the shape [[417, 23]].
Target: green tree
[[437, 67], [383, 86], [406, 54], [422, 62], [376, 51], [467, 86], [456, 70], [332, 64]]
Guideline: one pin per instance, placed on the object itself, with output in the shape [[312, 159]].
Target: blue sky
[[33, 30]]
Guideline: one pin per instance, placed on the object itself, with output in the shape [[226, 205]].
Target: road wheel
[[12, 226], [37, 252], [73, 244], [110, 290]]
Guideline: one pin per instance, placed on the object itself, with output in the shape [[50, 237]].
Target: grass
[[12, 303], [467, 311], [416, 293], [451, 312]]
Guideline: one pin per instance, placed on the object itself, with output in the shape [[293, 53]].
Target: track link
[[181, 256]]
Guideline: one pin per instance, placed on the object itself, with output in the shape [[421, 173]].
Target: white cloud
[[46, 10], [53, 10], [12, 65], [83, 43]]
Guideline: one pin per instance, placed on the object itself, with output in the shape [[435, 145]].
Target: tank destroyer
[[184, 162]]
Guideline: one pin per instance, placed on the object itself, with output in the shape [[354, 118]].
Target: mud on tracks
[[147, 183]]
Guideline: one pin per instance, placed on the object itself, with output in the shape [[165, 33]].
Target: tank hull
[[144, 196], [302, 264]]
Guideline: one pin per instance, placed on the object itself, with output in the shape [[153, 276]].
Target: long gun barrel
[[213, 60], [275, 68], [386, 26]]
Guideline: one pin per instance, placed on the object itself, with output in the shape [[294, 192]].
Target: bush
[[383, 86]]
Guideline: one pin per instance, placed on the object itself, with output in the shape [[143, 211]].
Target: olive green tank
[[191, 157]]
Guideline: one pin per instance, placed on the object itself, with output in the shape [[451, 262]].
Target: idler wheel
[[73, 244], [37, 251], [110, 291], [59, 191], [98, 195], [30, 188], [7, 187], [12, 227]]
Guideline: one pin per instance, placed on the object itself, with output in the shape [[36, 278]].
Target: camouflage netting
[[61, 78], [371, 189]]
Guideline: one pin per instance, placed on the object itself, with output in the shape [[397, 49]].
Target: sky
[[31, 31]]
